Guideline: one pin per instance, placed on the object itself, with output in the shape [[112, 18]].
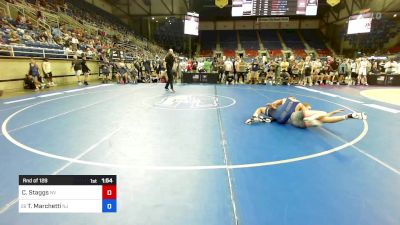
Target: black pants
[[49, 76], [170, 79], [240, 75]]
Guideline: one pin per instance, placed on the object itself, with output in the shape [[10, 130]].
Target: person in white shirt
[[362, 72], [200, 66], [228, 66], [48, 75], [390, 67], [75, 43], [398, 68]]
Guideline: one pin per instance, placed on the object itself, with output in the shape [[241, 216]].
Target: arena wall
[[14, 70]]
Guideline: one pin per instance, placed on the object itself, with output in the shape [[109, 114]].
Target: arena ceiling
[[208, 10], [140, 8]]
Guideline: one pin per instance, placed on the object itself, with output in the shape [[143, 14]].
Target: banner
[[333, 2], [222, 3]]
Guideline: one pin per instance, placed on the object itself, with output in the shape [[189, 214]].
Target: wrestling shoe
[[252, 120], [359, 116]]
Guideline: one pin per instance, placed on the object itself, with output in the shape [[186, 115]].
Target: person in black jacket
[[77, 66], [85, 70], [169, 62]]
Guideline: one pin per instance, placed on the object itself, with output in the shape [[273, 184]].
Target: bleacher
[[249, 40], [228, 40], [270, 39], [229, 53], [314, 39], [292, 39], [251, 53]]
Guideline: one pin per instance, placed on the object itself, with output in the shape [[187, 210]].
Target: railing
[[49, 15], [6, 8], [24, 51]]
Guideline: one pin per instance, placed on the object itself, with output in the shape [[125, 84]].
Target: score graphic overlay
[[67, 193], [274, 7]]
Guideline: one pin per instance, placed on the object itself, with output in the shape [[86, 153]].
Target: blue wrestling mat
[[189, 158]]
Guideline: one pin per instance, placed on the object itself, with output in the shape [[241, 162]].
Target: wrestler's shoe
[[360, 116], [255, 119]]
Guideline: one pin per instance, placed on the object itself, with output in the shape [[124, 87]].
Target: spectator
[[27, 37], [254, 72], [77, 67], [14, 38], [74, 42], [20, 20], [34, 72], [85, 70], [48, 75], [29, 83]]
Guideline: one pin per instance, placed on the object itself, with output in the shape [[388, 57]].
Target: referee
[[169, 61]]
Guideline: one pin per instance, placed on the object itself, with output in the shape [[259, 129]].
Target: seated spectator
[[40, 18], [29, 83], [14, 38], [27, 37], [21, 20], [34, 72], [2, 39]]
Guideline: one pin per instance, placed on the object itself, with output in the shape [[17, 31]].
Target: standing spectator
[[362, 72], [228, 68], [48, 75], [307, 71], [254, 72], [77, 66], [342, 71], [74, 42], [284, 71], [354, 75], [85, 70], [241, 70], [105, 70], [169, 62], [220, 66]]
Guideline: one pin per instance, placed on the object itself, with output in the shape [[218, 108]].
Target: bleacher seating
[[275, 53], [324, 52], [208, 40], [299, 53], [292, 39], [251, 53], [206, 53], [314, 39], [95, 10], [395, 49], [229, 53], [249, 40], [228, 39], [270, 39]]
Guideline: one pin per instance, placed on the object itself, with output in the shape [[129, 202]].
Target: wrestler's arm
[[275, 104]]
